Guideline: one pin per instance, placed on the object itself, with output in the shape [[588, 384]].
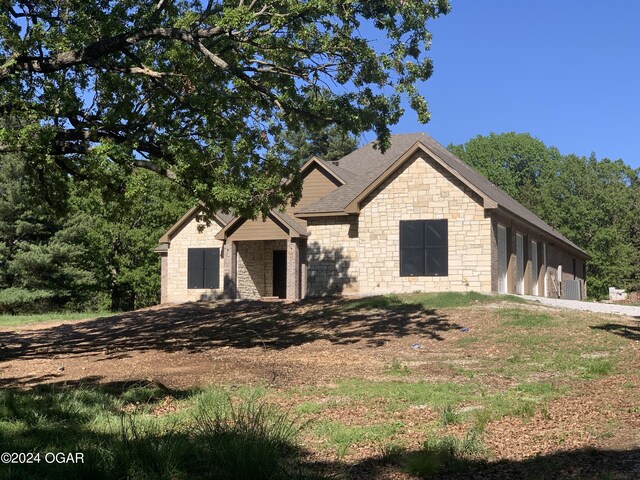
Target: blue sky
[[568, 72]]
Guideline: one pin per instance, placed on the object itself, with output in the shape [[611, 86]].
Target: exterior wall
[[422, 190], [316, 184], [259, 230], [557, 256], [494, 255], [332, 255], [193, 234], [255, 267]]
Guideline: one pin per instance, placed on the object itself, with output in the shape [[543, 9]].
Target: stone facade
[[255, 267], [360, 253], [193, 234], [332, 255], [422, 190]]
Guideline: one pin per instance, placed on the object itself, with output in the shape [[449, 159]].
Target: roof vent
[[336, 163]]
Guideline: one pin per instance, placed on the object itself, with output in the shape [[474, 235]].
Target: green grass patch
[[435, 394], [341, 437], [523, 401], [17, 320], [429, 301], [444, 453], [310, 408], [598, 367], [217, 434], [519, 317], [397, 368]]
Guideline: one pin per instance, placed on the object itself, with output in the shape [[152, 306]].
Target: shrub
[[249, 440], [20, 300]]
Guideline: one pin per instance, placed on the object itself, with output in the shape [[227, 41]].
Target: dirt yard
[[548, 390]]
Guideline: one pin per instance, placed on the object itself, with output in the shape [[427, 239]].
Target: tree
[[41, 265], [515, 162], [201, 92], [95, 252], [593, 202], [328, 144], [124, 221]]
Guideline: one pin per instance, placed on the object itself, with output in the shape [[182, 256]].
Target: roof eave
[[354, 206], [339, 213], [573, 248]]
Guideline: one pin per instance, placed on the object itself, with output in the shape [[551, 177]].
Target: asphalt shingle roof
[[367, 164]]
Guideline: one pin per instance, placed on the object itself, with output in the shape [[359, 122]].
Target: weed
[[449, 416], [598, 367], [342, 437], [397, 368], [440, 453]]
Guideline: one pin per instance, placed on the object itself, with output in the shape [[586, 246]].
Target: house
[[414, 218]]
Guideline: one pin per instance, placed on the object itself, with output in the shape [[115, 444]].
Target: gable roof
[[219, 216], [334, 167], [377, 167], [286, 222]]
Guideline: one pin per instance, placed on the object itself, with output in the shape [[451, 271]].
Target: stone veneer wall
[[423, 190], [332, 255], [189, 236], [255, 267]]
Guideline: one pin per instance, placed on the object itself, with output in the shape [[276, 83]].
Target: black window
[[424, 248], [203, 268]]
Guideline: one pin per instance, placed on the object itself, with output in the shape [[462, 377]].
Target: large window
[[424, 248], [203, 268]]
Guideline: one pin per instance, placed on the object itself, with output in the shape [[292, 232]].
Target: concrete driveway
[[613, 308]]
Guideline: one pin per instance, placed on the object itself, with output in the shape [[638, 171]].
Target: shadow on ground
[[632, 332], [129, 451], [581, 464], [200, 327]]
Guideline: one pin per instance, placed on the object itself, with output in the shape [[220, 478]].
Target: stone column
[[230, 269], [303, 268], [164, 278], [293, 269]]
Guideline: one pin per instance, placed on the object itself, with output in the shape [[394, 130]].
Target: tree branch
[[105, 46]]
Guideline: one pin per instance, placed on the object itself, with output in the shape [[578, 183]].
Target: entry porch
[[265, 258]]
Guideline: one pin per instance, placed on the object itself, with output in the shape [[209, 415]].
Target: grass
[[435, 394], [518, 317], [397, 368], [215, 435], [429, 301], [341, 437], [239, 433], [443, 453], [18, 320]]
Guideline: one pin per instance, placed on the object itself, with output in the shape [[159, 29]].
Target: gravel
[[612, 308]]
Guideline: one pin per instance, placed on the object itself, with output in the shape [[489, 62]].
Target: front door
[[280, 273]]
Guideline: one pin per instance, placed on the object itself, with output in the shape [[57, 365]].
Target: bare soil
[[290, 347]]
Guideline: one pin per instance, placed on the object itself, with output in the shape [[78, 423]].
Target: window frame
[[427, 247], [205, 274]]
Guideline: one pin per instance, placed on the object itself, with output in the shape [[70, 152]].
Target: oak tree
[[201, 91]]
